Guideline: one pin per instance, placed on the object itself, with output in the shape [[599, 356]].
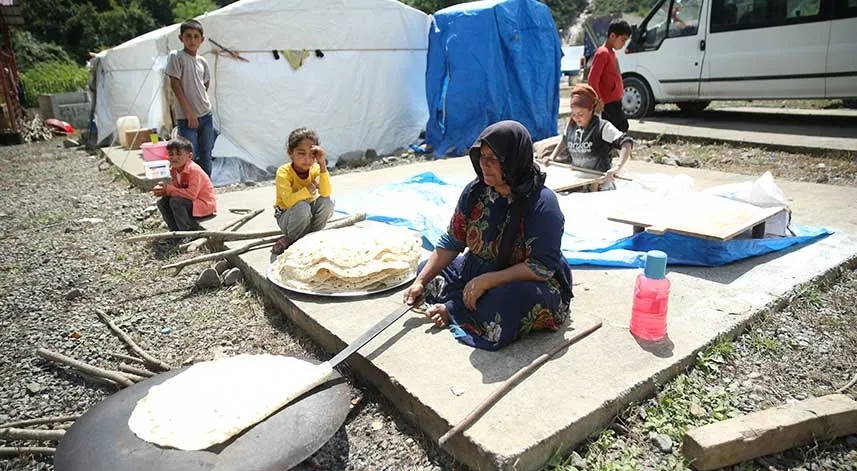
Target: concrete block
[[769, 431]]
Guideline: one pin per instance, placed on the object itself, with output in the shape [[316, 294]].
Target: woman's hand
[[547, 161], [414, 293], [474, 289], [610, 175]]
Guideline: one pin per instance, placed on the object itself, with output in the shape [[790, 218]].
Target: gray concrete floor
[[435, 382]]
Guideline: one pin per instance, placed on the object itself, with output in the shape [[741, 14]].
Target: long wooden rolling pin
[[585, 170]]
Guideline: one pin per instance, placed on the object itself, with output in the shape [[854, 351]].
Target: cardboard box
[[136, 137]]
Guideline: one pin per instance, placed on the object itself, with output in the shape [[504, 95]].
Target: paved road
[[820, 123], [778, 127]]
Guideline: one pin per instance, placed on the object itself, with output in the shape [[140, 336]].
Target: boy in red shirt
[[191, 194], [605, 76]]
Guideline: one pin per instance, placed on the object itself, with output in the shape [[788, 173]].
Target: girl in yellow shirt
[[303, 189]]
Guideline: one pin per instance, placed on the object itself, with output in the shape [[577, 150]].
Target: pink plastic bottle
[[651, 295]]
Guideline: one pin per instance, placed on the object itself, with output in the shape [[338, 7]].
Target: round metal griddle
[[102, 441]]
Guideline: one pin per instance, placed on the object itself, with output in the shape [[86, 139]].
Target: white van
[[690, 52]]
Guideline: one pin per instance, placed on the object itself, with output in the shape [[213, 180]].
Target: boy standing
[[191, 194], [605, 76], [189, 78]]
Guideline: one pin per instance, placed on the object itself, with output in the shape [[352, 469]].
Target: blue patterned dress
[[514, 309]]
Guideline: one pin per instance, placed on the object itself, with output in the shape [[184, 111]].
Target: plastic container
[[651, 297], [153, 136], [126, 123], [154, 151], [157, 169]]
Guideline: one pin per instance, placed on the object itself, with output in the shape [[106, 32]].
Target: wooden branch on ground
[[848, 385], [135, 371], [26, 450], [347, 221], [95, 371], [122, 356], [149, 359], [30, 434], [507, 385], [224, 254], [40, 421], [232, 227]]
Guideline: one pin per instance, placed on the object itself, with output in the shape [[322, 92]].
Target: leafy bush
[[52, 77], [29, 51]]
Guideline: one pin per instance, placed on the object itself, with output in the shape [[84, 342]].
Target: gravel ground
[[806, 349], [62, 222], [62, 219]]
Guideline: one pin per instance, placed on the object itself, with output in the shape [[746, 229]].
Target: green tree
[[121, 24], [186, 9]]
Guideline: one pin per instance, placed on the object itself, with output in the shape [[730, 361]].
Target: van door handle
[[701, 44]]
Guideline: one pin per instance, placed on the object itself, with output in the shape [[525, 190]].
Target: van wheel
[[637, 101], [692, 106]]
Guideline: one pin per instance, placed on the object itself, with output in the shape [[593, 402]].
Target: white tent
[[366, 92]]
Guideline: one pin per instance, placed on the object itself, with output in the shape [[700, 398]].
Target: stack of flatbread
[[356, 258]]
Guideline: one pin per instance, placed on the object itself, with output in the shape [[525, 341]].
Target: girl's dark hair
[[299, 134], [619, 28], [179, 144]]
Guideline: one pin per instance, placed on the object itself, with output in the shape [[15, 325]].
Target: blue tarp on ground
[[489, 61], [425, 203]]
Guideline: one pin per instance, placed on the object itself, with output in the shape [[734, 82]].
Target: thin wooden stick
[[26, 450], [219, 235], [233, 226], [150, 360], [586, 170], [40, 421], [114, 376], [233, 236], [507, 385], [224, 254], [30, 434], [135, 371], [122, 356], [348, 221]]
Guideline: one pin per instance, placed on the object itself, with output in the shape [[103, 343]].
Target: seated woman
[[513, 279], [590, 139]]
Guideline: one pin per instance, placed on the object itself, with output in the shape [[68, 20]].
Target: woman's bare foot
[[438, 314]]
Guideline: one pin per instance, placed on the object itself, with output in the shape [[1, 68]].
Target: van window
[[655, 30], [845, 9], [730, 15], [684, 18]]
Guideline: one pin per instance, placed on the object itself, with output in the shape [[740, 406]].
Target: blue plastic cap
[[656, 265]]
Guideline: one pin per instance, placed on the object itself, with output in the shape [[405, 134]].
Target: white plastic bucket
[[126, 123]]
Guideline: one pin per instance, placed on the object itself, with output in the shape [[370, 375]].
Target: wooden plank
[[770, 431], [695, 214], [562, 179]]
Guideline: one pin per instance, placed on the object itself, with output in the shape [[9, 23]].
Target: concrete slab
[[435, 382], [130, 162]]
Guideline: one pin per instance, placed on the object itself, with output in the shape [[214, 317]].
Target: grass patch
[[809, 294], [690, 400], [761, 343]]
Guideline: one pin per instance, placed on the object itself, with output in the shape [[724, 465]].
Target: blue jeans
[[202, 139]]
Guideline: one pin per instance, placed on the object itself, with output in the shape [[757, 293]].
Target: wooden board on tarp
[[563, 179], [696, 214]]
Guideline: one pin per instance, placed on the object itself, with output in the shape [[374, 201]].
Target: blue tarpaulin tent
[[488, 61]]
